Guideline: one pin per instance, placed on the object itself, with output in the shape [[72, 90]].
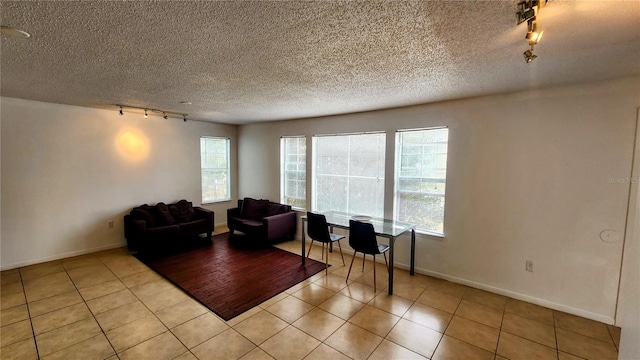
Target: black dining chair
[[362, 238], [318, 230]]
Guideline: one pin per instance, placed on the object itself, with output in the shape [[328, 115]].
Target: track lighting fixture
[[165, 114], [528, 11], [528, 56]]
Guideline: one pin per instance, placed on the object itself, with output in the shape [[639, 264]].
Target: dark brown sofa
[[161, 225], [262, 220]]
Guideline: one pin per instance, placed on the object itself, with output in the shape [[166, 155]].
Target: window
[[215, 171], [293, 171], [349, 173], [421, 174]]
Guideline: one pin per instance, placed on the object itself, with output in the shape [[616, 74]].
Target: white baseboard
[[512, 294], [61, 256], [515, 295]]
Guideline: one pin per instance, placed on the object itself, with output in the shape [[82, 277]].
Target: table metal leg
[[413, 251], [303, 243], [391, 243]]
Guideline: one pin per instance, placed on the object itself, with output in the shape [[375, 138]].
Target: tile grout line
[[26, 302], [87, 305], [143, 304], [555, 334]]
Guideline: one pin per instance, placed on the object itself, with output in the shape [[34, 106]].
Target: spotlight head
[[184, 118], [121, 112], [533, 35], [146, 116], [529, 56], [164, 115]]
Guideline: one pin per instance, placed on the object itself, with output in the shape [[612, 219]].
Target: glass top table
[[388, 228]]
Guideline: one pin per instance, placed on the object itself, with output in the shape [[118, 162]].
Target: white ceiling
[[241, 62]]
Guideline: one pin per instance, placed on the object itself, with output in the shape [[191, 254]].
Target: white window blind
[[349, 173], [215, 169], [293, 171], [421, 175]]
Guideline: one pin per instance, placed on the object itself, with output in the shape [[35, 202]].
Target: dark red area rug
[[230, 276]]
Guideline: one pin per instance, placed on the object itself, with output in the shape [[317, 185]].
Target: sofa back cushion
[[144, 213], [253, 209], [164, 214], [182, 211], [275, 209]]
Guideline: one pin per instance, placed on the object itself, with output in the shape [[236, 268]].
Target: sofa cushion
[[165, 215], [160, 230], [275, 209], [146, 215], [182, 211], [253, 209]]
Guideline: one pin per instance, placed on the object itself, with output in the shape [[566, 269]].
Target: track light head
[[164, 115], [529, 56], [146, 116], [121, 112], [533, 35], [184, 118]]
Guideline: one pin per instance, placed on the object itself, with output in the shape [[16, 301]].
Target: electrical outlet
[[529, 266], [111, 224]]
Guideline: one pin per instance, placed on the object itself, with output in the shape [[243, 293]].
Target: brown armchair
[[262, 220]]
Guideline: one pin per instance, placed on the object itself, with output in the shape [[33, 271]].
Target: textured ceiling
[[240, 62]]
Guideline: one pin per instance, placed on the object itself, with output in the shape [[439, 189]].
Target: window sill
[[216, 201], [429, 234]]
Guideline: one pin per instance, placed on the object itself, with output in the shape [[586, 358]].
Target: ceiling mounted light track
[[528, 11], [165, 114]]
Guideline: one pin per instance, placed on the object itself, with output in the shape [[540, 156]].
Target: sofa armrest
[[280, 225], [133, 227], [205, 214], [134, 231], [233, 212]]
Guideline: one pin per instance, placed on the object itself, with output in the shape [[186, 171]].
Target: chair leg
[[353, 258], [364, 256], [322, 256], [374, 273], [326, 264], [310, 246], [340, 246], [385, 260]]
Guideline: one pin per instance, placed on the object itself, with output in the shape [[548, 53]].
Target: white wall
[[67, 171], [527, 179]]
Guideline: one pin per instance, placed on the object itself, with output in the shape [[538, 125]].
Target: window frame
[[284, 171], [397, 178], [227, 169]]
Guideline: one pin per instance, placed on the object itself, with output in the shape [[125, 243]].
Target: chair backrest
[[362, 237], [317, 227]]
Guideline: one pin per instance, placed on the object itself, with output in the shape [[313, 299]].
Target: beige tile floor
[[108, 305]]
